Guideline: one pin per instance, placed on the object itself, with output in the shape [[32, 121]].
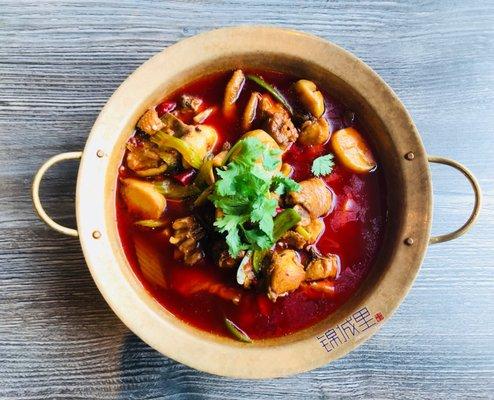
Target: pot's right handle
[[36, 200], [476, 207]]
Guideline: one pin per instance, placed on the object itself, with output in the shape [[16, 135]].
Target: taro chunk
[[143, 199]]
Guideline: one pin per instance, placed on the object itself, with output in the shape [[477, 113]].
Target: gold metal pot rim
[[409, 200]]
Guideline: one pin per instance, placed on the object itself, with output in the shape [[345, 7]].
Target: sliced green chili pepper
[[150, 223], [238, 333], [188, 153], [271, 89], [205, 177], [203, 196], [257, 258], [175, 191]]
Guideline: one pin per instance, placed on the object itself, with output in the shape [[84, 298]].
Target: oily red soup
[[251, 236]]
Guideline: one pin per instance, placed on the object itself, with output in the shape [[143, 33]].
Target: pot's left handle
[[37, 202]]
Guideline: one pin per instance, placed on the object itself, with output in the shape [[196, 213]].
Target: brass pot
[[394, 136]]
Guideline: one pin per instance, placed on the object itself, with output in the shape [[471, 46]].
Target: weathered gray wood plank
[[61, 60]]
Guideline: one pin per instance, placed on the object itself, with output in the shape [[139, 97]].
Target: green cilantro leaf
[[271, 159], [244, 194], [323, 165], [282, 184], [228, 223]]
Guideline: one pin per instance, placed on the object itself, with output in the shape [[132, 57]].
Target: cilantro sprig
[[323, 165], [246, 193]]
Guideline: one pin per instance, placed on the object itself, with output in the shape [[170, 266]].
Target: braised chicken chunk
[[314, 196], [322, 268], [202, 138], [187, 235], [141, 155], [286, 273], [304, 234], [150, 123], [189, 102], [278, 123]]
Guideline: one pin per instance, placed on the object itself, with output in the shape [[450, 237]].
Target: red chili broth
[[353, 230]]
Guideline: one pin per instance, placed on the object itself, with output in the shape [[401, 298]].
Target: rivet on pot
[[410, 156], [409, 241], [100, 153], [96, 234]]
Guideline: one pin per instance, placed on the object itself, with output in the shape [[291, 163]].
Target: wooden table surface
[[59, 63]]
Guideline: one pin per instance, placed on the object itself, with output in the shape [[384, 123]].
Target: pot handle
[[476, 207], [36, 182]]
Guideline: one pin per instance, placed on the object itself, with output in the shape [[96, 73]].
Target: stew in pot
[[250, 203]]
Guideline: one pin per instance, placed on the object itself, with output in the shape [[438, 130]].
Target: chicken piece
[[304, 214], [202, 138], [141, 155], [314, 132], [314, 196], [310, 97], [150, 122], [285, 274], [268, 107], [281, 128], [314, 229], [152, 171], [224, 260], [142, 198], [304, 235], [294, 240], [188, 102], [322, 268], [187, 235], [278, 123], [174, 126], [170, 157]]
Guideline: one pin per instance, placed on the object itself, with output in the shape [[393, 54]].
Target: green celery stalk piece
[[284, 221], [188, 153]]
